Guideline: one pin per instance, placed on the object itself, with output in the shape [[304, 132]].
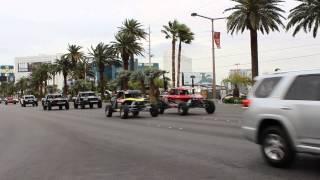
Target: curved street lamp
[[213, 50]]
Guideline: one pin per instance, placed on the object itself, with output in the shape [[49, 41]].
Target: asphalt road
[[85, 145]]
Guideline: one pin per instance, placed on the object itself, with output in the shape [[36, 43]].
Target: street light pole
[[213, 51], [214, 94]]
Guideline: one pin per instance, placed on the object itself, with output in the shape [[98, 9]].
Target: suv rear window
[[306, 88], [266, 87]]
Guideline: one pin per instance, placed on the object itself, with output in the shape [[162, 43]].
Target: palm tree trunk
[[101, 74], [45, 86], [125, 67], [179, 61], [53, 80], [254, 53], [173, 62], [143, 87], [132, 62], [125, 60], [65, 88]]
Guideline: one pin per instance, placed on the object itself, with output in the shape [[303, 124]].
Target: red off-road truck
[[183, 99]]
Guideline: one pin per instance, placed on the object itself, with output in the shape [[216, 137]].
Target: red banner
[[216, 37]]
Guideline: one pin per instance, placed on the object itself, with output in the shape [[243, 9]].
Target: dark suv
[[52, 100], [28, 99], [87, 98]]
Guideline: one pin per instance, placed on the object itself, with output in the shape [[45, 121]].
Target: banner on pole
[[217, 39]]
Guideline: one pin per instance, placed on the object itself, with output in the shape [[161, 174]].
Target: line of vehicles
[[127, 103]]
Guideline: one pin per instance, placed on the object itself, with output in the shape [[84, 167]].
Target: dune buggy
[[130, 102], [183, 99]]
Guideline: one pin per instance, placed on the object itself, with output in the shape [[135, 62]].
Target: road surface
[[85, 145]]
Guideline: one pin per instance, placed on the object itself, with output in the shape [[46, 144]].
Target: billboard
[[7, 73], [200, 78]]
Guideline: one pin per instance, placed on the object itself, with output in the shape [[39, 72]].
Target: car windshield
[[29, 97], [133, 95], [55, 96], [87, 94], [184, 92]]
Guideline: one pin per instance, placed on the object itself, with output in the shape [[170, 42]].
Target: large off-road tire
[[49, 107], [91, 106], [135, 114], [154, 111], [100, 104], [183, 109], [67, 106], [75, 105], [124, 112], [108, 111], [210, 107], [162, 107], [276, 147]]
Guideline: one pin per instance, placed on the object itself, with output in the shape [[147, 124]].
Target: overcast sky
[[32, 27]]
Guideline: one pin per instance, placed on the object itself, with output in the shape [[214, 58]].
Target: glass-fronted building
[[7, 73]]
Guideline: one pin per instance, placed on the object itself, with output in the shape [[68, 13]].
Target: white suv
[[283, 115]]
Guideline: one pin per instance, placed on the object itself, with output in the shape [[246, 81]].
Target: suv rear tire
[[276, 147]]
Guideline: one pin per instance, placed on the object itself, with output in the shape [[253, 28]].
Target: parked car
[[87, 98], [10, 100], [52, 100], [28, 99], [282, 115]]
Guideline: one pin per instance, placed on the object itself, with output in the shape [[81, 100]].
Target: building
[[143, 66], [24, 66], [185, 66], [7, 73]]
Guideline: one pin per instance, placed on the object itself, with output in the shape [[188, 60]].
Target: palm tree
[[306, 15], [152, 75], [236, 79], [139, 76], [103, 55], [82, 70], [76, 56], [22, 85], [133, 28], [185, 36], [255, 15], [39, 78], [53, 72], [64, 66], [123, 78], [126, 45], [171, 31]]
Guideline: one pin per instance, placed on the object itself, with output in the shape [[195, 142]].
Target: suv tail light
[[246, 103]]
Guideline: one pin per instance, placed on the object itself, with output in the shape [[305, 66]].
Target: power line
[[265, 51], [276, 60]]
